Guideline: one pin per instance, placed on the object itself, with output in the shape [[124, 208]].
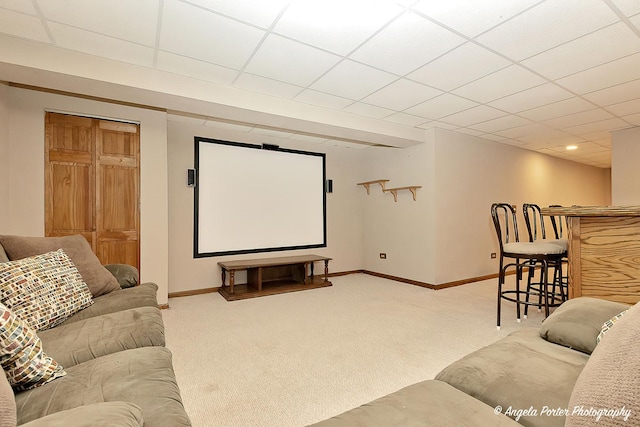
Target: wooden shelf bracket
[[394, 191], [376, 181]]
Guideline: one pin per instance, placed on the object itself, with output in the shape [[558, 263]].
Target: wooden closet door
[[69, 176], [117, 188], [92, 184]]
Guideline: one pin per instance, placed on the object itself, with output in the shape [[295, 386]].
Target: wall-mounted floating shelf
[[376, 181], [394, 191]]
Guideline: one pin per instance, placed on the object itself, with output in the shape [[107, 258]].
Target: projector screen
[[252, 198]]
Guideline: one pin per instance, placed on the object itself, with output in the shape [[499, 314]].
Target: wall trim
[[346, 273]]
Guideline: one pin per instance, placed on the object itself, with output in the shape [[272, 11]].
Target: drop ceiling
[[540, 75]]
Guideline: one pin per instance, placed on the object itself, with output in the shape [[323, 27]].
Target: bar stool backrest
[[505, 222], [534, 221], [557, 221]]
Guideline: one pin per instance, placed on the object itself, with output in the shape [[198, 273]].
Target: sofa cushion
[[7, 403], [609, 324], [611, 379], [87, 339], [126, 275], [143, 295], [43, 290], [428, 403], [519, 371], [577, 322], [3, 255], [98, 278], [142, 376], [105, 414], [21, 355]]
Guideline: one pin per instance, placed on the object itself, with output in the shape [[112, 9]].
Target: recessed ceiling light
[[572, 147]]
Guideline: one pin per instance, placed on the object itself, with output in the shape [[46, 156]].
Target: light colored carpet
[[298, 358]]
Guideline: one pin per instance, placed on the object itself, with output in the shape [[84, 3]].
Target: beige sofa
[[118, 372], [553, 376]]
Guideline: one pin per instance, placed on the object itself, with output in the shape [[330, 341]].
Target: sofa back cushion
[[98, 278], [577, 323], [607, 390], [3, 255]]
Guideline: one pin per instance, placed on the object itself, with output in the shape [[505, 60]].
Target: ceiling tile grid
[[533, 73]]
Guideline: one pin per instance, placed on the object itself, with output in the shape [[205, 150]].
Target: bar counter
[[604, 251]]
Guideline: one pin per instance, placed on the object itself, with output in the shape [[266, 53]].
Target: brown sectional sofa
[[118, 371], [552, 376]]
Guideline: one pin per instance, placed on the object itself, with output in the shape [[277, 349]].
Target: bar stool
[[518, 255], [535, 223]]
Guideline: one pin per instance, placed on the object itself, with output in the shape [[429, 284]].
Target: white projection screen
[[252, 198]]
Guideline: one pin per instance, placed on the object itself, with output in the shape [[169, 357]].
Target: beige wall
[[401, 229], [473, 173], [625, 170], [25, 166], [344, 223], [4, 158]]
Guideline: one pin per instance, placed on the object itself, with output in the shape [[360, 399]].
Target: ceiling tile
[[337, 26], [405, 119], [547, 25], [588, 116], [502, 83], [271, 132], [531, 98], [267, 86], [458, 67], [633, 119], [472, 17], [531, 129], [501, 123], [604, 125], [368, 110], [408, 42], [135, 21], [557, 109], [628, 7], [401, 95], [100, 45], [19, 6], [260, 13], [625, 108], [607, 75], [586, 52], [615, 94], [308, 138], [193, 68], [21, 25], [190, 31], [274, 60], [473, 115], [441, 106], [437, 124], [322, 99], [352, 80]]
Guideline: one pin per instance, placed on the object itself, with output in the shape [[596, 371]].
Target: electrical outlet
[[493, 255], [383, 255]]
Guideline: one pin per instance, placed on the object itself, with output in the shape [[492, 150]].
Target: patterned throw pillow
[[43, 290], [608, 325], [21, 355]]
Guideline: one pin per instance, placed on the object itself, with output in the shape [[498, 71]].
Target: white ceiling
[[537, 74]]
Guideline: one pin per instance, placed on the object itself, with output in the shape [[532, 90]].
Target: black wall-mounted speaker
[[329, 186], [191, 177]]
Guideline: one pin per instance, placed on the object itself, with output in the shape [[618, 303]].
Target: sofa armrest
[[126, 275], [103, 414]]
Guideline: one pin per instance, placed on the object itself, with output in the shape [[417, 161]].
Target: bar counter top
[[592, 211]]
